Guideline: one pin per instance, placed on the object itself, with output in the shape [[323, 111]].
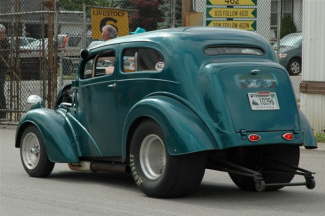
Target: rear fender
[[309, 138], [184, 131], [58, 138]]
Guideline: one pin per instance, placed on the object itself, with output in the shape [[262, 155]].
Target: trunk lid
[[258, 97]]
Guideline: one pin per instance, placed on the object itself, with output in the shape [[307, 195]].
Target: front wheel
[[264, 160], [294, 67], [157, 173], [33, 155]]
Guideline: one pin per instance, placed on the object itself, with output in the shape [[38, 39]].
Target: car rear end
[[250, 101]]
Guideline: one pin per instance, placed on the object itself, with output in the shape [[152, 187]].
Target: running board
[[260, 184]]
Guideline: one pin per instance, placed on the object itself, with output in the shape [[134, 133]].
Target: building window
[[286, 10]]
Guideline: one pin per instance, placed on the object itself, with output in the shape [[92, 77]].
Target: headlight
[[282, 55]]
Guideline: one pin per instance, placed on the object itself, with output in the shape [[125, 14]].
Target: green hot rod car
[[166, 105]]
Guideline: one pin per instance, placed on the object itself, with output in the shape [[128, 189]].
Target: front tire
[[157, 173], [33, 155], [294, 67], [261, 159]]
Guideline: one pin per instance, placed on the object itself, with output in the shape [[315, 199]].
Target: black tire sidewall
[[147, 185], [44, 166]]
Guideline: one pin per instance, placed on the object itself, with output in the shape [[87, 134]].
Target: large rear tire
[[158, 174], [33, 155], [261, 159]]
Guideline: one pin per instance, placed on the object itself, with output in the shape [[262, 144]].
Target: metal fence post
[[84, 23], [278, 36], [173, 13]]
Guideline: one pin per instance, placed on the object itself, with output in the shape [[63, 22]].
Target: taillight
[[288, 136], [254, 137]]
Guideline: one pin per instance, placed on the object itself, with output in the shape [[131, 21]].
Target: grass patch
[[320, 137]]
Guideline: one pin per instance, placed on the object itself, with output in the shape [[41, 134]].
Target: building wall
[[313, 105]]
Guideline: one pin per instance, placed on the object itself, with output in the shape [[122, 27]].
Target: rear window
[[142, 59], [223, 50]]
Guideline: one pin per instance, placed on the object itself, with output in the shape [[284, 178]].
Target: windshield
[[291, 40]]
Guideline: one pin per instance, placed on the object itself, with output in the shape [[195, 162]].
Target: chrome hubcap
[[30, 150], [295, 67], [152, 156]]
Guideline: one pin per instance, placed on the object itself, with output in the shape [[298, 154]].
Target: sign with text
[[232, 2], [115, 17], [231, 12], [249, 25], [239, 14]]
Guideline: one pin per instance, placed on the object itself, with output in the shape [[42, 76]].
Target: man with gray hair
[[109, 32], [4, 49]]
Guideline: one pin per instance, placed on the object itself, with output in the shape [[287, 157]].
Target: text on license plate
[[263, 101]]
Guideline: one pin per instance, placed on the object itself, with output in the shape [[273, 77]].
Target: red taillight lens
[[288, 136], [254, 137]]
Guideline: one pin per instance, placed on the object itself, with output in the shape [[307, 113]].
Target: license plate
[[263, 101]]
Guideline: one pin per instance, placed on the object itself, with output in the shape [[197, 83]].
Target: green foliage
[[320, 137], [147, 16], [287, 26]]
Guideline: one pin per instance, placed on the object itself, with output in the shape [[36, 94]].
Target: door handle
[[112, 85]]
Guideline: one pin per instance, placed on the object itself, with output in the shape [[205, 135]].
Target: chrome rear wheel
[[152, 156]]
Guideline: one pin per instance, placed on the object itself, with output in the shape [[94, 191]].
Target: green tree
[[147, 14]]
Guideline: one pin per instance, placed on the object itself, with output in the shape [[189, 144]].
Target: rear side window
[[224, 50], [142, 59]]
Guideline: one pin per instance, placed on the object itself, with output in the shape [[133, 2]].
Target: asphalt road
[[71, 193]]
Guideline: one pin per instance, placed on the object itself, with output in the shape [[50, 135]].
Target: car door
[[97, 103]]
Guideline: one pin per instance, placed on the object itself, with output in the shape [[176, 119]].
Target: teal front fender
[[309, 138], [58, 138], [184, 131]]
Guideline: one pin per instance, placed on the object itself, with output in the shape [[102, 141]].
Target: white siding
[[314, 60]]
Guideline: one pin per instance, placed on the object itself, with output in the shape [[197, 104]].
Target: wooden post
[[51, 53], [186, 9]]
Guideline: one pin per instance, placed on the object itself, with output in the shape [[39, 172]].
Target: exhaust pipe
[[82, 166], [107, 167]]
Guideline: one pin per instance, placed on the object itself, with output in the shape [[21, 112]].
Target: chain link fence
[[26, 56], [45, 37]]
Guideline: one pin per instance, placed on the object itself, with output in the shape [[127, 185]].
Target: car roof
[[197, 34]]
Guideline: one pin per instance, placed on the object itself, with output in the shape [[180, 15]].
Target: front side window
[[142, 59], [88, 71], [224, 50], [105, 64]]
